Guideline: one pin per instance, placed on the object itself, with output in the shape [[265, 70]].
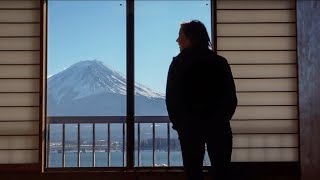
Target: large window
[[87, 82], [156, 27], [86, 85], [107, 67]]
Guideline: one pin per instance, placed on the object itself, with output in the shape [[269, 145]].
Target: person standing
[[201, 100]]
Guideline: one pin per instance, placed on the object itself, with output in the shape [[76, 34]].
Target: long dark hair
[[197, 33]]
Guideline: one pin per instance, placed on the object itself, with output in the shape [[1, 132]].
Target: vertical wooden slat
[[308, 13]]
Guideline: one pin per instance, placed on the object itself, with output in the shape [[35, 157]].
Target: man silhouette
[[201, 99]]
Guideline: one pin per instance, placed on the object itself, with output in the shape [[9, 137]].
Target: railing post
[[64, 121], [109, 154], [123, 144], [63, 143], [153, 144], [48, 146], [139, 147], [168, 141], [78, 151], [93, 145]]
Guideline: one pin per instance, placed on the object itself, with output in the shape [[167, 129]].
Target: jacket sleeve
[[230, 101], [171, 93]]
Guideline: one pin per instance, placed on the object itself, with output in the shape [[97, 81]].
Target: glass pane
[[101, 145], [157, 25], [86, 145], [71, 145], [86, 78], [55, 146]]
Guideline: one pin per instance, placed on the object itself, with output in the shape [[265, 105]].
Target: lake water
[[116, 159]]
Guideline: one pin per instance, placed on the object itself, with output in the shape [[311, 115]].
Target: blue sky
[[87, 30]]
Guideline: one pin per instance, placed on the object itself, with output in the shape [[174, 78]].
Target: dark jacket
[[200, 89]]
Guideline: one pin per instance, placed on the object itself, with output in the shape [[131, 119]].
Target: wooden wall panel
[[269, 29], [20, 82], [258, 38], [308, 17], [257, 4], [19, 57], [260, 57], [25, 113], [18, 16], [254, 16]]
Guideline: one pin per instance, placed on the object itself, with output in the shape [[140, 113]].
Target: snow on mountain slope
[[89, 88], [91, 77]]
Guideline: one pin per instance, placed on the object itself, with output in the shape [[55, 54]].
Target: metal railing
[[89, 146]]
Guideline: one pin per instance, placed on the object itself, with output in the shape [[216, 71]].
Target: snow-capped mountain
[[92, 88]]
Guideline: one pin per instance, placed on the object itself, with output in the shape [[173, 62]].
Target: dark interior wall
[[308, 33]]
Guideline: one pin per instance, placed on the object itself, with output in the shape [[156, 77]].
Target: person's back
[[201, 100], [207, 90]]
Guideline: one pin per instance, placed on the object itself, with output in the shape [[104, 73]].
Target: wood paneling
[[256, 4], [19, 99], [258, 38], [21, 43], [19, 128], [19, 57], [20, 71], [19, 29], [24, 113], [243, 16], [289, 84], [19, 85], [265, 140], [19, 142], [265, 154], [270, 29], [308, 15], [19, 79], [264, 126], [260, 57], [267, 98], [18, 156], [21, 4], [256, 43], [266, 112], [264, 71], [19, 16]]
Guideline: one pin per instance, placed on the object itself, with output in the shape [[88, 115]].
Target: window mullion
[[214, 24], [130, 84]]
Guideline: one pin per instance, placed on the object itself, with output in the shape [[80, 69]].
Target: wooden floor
[[240, 171]]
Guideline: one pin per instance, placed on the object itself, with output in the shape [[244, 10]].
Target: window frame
[[130, 109], [276, 167]]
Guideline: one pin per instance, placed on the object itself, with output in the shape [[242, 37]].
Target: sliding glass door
[[86, 84], [157, 26]]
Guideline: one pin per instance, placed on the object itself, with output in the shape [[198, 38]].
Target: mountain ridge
[[90, 87]]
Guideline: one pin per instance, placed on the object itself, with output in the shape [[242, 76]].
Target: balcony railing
[[98, 141]]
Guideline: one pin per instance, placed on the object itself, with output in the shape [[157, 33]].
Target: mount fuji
[[90, 88]]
